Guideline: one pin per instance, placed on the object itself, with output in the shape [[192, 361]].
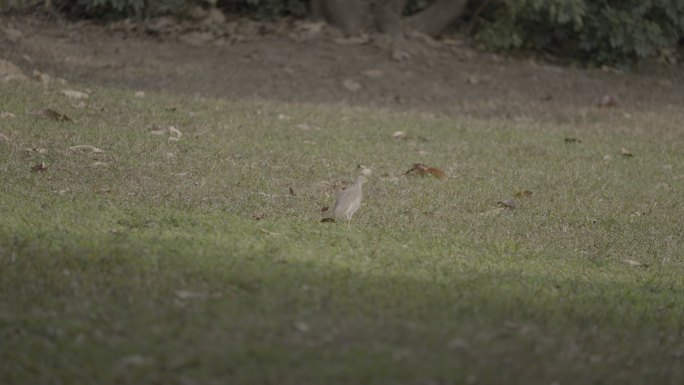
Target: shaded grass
[[150, 269]]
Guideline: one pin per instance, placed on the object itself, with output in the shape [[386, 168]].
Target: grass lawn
[[203, 260]]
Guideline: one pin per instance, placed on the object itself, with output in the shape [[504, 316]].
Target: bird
[[350, 200]]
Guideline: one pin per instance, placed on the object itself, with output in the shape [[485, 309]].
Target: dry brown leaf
[[42, 167], [437, 173], [609, 101], [422, 170], [625, 152], [52, 114], [86, 147], [418, 168], [42, 77], [523, 194]]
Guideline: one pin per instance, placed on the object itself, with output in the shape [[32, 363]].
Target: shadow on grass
[[205, 308]]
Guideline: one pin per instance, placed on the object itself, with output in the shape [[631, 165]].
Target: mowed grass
[[152, 268]]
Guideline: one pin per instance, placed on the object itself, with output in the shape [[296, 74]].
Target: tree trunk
[[349, 15], [387, 16], [437, 16]]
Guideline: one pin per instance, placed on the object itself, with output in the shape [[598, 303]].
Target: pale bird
[[350, 199]]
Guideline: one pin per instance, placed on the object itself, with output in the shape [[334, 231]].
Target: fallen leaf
[[86, 147], [302, 327], [351, 85], [609, 101], [42, 167], [634, 263], [422, 170], [373, 73], [268, 232], [37, 150], [399, 135], [42, 77], [52, 114], [523, 194], [353, 40], [572, 140], [508, 203], [418, 168], [158, 131], [365, 170], [74, 94], [400, 55], [176, 133], [437, 173], [625, 152], [188, 294]]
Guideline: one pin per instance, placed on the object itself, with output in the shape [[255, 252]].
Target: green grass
[[151, 268]]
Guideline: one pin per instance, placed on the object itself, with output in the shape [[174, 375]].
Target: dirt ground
[[297, 61]]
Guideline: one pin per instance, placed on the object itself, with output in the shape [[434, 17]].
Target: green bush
[[595, 31]]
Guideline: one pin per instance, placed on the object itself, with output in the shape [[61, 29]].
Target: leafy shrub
[[269, 9], [596, 31]]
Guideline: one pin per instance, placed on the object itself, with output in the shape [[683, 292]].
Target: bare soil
[[296, 61]]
